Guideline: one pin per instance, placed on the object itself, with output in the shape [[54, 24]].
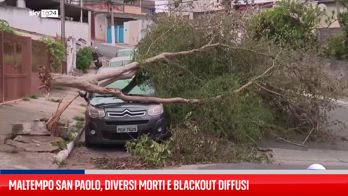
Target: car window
[[146, 88], [141, 89]]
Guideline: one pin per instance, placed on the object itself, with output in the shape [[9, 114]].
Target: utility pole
[[337, 8], [81, 14], [112, 25], [62, 19], [141, 9]]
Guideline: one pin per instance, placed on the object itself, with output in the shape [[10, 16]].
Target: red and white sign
[[174, 184]]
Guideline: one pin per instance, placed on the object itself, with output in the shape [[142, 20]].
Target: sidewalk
[[27, 110]]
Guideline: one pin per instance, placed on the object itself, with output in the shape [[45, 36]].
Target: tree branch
[[248, 50], [159, 37], [250, 82], [90, 83], [143, 99], [124, 76], [163, 56]]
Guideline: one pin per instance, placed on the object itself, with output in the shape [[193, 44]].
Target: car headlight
[[155, 110], [95, 112]]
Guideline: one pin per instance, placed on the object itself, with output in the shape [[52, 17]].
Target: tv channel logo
[[45, 13]]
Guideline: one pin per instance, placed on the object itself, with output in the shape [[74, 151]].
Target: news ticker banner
[[173, 182]]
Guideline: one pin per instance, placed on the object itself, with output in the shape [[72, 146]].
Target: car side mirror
[[83, 94]]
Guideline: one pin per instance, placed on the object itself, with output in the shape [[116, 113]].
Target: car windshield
[[140, 89]]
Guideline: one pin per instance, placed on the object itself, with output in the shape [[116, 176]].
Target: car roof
[[126, 49], [121, 58], [106, 69], [125, 52]]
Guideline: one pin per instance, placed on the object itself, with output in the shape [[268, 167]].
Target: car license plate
[[127, 129]]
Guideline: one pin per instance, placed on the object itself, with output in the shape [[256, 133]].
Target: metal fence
[[20, 58]]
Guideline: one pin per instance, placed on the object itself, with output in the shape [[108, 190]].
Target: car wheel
[[88, 143], [160, 137]]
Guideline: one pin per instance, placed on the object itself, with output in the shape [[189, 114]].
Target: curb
[[62, 155], [342, 102]]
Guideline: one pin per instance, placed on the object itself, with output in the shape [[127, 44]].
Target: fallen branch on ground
[[52, 123]]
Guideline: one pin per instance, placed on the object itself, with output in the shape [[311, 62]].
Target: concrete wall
[[162, 6], [190, 9], [131, 32], [102, 7], [324, 34], [132, 9], [19, 18], [338, 71], [101, 25], [135, 30], [330, 11]]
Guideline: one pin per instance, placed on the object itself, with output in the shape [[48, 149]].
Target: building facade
[[127, 25]]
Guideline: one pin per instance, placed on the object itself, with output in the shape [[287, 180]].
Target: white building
[[25, 16]]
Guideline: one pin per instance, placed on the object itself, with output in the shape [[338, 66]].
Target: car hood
[[112, 102], [95, 101]]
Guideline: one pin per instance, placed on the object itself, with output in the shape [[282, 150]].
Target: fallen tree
[[92, 83], [218, 83]]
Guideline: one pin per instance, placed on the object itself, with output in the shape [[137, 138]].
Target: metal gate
[[15, 66], [119, 34]]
